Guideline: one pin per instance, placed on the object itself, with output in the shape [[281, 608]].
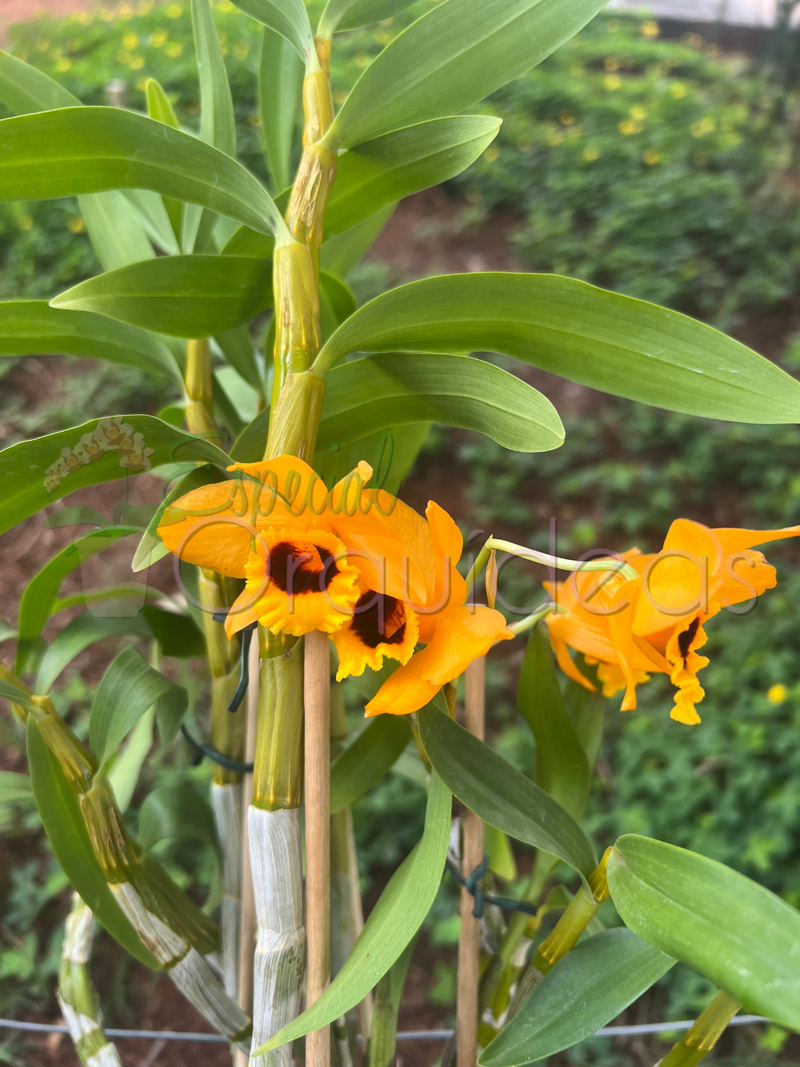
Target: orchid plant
[[283, 527]]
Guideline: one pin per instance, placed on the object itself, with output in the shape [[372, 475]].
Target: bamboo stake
[[247, 920], [469, 941], [317, 830]]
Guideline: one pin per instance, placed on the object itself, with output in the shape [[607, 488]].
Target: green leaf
[[392, 923], [17, 695], [124, 771], [25, 89], [368, 395], [83, 631], [382, 171], [280, 77], [93, 149], [151, 210], [238, 349], [33, 327], [217, 123], [6, 632], [500, 794], [367, 758], [23, 466], [65, 828], [160, 109], [289, 18], [170, 712], [116, 232], [743, 938], [129, 590], [176, 634], [586, 712], [159, 106], [339, 254], [40, 593], [184, 296], [561, 767], [454, 56], [128, 688], [594, 982], [391, 452], [609, 342], [339, 295], [176, 811], [14, 787], [351, 14], [117, 235]]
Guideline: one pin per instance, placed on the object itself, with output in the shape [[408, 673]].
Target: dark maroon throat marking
[[379, 620], [294, 570]]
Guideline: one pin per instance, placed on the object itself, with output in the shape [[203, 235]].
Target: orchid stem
[[708, 1028], [624, 569], [317, 689]]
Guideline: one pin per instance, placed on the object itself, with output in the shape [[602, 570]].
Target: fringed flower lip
[[454, 632], [656, 623], [297, 581]]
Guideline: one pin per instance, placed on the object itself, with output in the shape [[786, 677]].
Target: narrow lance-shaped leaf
[[392, 923], [289, 18], [594, 982], [129, 687], [351, 14], [93, 149], [339, 254], [32, 327], [65, 828], [369, 395], [367, 759], [280, 76], [184, 296], [34, 473], [391, 453], [40, 593], [382, 171], [83, 631], [117, 234], [217, 123], [561, 766], [160, 108], [610, 342], [455, 55], [499, 793], [745, 939]]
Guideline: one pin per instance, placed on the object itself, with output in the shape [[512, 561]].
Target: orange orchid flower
[[454, 633], [306, 551], [655, 623]]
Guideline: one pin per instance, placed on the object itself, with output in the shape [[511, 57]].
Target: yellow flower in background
[[638, 113], [612, 82], [491, 154], [159, 39], [173, 11], [76, 225], [704, 126], [777, 694], [174, 50], [628, 126], [656, 623], [63, 65], [136, 63], [678, 90], [591, 153], [650, 29], [130, 41], [651, 157]]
